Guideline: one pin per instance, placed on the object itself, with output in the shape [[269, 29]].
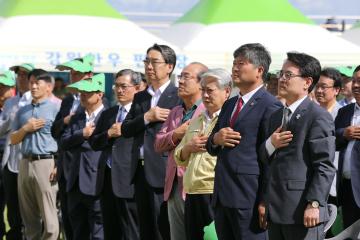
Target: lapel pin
[[252, 104], [298, 116]]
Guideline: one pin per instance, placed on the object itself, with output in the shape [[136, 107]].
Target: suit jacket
[[57, 129], [238, 172], [303, 171], [164, 143], [342, 121], [144, 135], [120, 151], [83, 161]]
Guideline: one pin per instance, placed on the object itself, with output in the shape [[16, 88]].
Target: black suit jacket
[[239, 173], [144, 135], [303, 171], [83, 161], [342, 121], [120, 151]]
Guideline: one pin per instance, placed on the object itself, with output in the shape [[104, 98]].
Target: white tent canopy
[[213, 40], [49, 39], [353, 34]]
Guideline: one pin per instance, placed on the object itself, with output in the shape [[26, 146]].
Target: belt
[[35, 157]]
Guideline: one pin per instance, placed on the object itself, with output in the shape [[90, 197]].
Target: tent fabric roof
[[60, 7], [215, 11]]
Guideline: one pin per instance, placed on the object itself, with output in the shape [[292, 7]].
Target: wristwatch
[[314, 204]]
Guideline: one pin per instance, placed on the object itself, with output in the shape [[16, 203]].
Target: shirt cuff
[[146, 122], [269, 147]]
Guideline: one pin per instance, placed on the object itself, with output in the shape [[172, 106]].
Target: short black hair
[[356, 69], [333, 74], [46, 77], [308, 66], [36, 72], [256, 54], [166, 52]]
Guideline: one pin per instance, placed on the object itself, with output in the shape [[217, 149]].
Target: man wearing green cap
[[346, 76], [82, 181], [12, 153], [7, 84], [80, 68], [37, 184]]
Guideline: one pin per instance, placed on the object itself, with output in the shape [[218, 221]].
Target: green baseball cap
[[94, 84], [7, 78], [84, 64], [27, 66], [346, 70]]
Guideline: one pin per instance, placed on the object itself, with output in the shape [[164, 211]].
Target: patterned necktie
[[239, 105], [285, 119], [121, 115]]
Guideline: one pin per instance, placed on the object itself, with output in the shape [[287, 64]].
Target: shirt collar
[[41, 103], [247, 96], [160, 89], [207, 117], [296, 104], [127, 106], [95, 113]]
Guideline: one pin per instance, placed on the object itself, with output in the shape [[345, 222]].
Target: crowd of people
[[164, 161]]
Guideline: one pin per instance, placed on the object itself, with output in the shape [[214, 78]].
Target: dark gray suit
[[149, 178], [300, 172], [117, 195]]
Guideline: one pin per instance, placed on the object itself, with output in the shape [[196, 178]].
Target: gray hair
[[222, 76], [135, 76]]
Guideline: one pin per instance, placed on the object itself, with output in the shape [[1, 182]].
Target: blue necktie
[[120, 118]]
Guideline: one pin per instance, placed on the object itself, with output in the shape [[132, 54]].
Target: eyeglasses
[[286, 75], [208, 91], [153, 62], [184, 76], [323, 87], [122, 86]]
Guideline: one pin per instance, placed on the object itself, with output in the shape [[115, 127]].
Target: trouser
[[37, 199], [2, 206], [198, 214], [350, 210], [295, 232], [85, 215], [176, 213], [64, 208], [119, 214], [153, 219]]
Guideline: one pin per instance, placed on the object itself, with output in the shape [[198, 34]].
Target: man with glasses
[[327, 89], [235, 140], [170, 135], [347, 125], [149, 110], [117, 200], [300, 149]]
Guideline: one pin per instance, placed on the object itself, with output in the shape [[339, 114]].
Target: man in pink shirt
[[170, 136]]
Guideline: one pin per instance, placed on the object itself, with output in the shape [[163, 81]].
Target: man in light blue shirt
[[37, 171]]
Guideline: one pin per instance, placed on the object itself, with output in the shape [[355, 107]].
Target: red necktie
[[236, 113]]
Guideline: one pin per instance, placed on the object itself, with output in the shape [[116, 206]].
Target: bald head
[[189, 82]]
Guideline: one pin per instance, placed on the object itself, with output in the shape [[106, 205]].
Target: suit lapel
[[167, 96], [250, 105], [299, 113], [146, 104], [229, 110]]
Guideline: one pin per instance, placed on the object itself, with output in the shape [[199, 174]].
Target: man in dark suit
[[235, 141], [347, 125], [300, 149], [149, 110], [117, 200], [82, 182], [80, 68]]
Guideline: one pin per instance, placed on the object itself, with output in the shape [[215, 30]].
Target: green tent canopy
[[216, 11], [98, 8]]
